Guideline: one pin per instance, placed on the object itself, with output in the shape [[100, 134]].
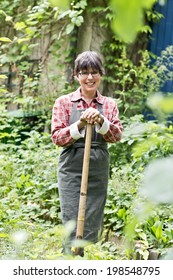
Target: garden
[[138, 217]]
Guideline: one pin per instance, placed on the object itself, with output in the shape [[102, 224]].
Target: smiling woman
[[70, 115], [88, 70]]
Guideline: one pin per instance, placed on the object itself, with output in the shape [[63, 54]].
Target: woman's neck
[[89, 96], [88, 99]]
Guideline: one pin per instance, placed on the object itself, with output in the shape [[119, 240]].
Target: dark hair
[[86, 60]]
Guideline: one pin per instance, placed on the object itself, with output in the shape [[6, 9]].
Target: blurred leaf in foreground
[[160, 103], [129, 17], [158, 181], [19, 237]]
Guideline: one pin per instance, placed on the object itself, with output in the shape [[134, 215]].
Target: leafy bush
[[142, 226], [28, 180], [142, 142], [135, 227]]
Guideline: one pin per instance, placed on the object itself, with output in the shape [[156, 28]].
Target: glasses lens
[[86, 74], [95, 73]]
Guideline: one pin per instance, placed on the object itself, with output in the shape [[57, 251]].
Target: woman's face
[[89, 81]]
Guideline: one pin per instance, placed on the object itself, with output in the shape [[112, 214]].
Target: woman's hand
[[92, 116]]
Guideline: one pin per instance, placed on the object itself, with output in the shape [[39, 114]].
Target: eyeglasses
[[86, 74]]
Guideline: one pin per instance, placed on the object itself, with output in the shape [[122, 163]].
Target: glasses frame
[[85, 75]]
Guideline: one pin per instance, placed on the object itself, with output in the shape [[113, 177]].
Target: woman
[[70, 115]]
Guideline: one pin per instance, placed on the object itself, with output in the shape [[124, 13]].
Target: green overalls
[[69, 180]]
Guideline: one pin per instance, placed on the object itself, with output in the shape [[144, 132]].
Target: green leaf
[[129, 17], [63, 14], [3, 76], [121, 213], [148, 3], [21, 40], [79, 20], [20, 25], [161, 103], [3, 235], [157, 229], [69, 28], [63, 5], [8, 18], [5, 39]]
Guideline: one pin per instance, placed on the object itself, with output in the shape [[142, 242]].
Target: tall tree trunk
[[85, 33]]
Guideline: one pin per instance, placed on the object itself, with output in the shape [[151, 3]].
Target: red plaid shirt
[[61, 113]]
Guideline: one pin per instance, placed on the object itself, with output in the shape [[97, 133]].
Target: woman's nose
[[90, 75]]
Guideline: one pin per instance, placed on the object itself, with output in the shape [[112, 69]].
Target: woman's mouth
[[90, 84]]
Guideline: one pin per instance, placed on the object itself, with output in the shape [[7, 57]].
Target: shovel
[[84, 185]]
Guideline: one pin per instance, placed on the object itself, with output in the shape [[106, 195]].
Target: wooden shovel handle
[[84, 184]]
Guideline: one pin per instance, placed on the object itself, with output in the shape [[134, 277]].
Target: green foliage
[[28, 180], [130, 77], [121, 193], [161, 103], [129, 17], [134, 226], [132, 83], [36, 84], [15, 126], [140, 192], [142, 142], [27, 240]]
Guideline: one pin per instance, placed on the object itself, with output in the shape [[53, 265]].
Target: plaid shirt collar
[[78, 96]]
